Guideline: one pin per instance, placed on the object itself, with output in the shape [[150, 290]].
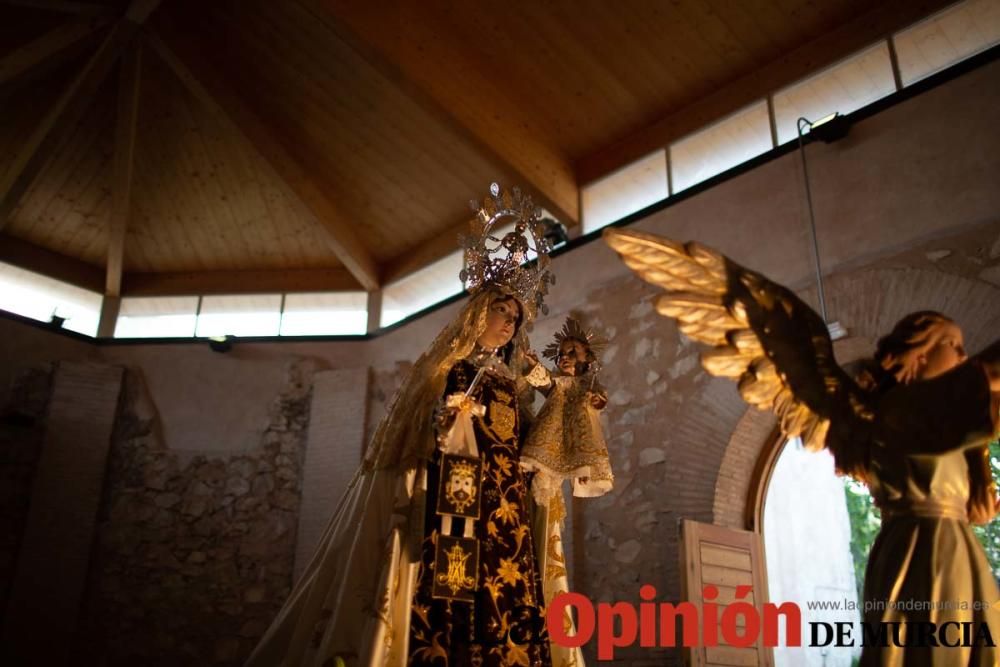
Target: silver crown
[[502, 261]]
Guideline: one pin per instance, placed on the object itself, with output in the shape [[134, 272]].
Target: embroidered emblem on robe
[[459, 492], [456, 561]]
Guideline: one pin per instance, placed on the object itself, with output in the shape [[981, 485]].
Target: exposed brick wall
[[748, 442], [382, 386], [22, 431], [47, 595], [335, 444]]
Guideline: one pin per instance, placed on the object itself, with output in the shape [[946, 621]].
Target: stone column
[[46, 596]]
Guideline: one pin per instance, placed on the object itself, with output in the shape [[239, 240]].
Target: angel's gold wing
[[773, 345]]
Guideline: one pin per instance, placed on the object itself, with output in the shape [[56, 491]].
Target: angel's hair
[[879, 374]]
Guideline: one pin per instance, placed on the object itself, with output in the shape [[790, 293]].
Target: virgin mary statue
[[432, 557]]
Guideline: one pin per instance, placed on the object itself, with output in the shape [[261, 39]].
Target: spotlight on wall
[[555, 233], [220, 343], [836, 330], [829, 128]]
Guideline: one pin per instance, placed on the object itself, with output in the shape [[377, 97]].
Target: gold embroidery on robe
[[503, 419]]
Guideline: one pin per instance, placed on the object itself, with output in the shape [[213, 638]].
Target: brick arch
[[868, 303]]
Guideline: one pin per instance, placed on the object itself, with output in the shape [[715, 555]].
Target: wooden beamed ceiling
[[245, 146]]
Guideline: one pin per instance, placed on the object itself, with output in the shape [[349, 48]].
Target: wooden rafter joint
[[308, 197], [47, 52], [58, 124]]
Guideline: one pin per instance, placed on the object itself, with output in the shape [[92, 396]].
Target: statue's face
[[460, 487], [572, 356], [942, 349], [501, 323]]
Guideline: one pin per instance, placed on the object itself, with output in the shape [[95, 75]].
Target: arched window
[[807, 549]]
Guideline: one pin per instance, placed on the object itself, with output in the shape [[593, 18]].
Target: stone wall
[[195, 554]]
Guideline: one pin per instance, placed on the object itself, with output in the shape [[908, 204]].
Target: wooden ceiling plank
[[543, 172], [64, 205], [63, 224], [239, 282], [211, 206], [308, 197], [68, 206], [121, 183], [168, 193], [47, 51], [31, 257], [758, 20], [64, 7], [374, 150], [377, 149], [438, 247], [198, 178], [862, 31], [237, 136], [58, 124], [642, 32]]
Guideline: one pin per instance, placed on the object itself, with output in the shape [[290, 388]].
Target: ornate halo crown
[[502, 261], [573, 330]]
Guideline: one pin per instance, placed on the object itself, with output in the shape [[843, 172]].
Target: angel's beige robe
[[926, 566]]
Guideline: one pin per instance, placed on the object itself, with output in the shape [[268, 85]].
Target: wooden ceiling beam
[[864, 30], [60, 121], [304, 192], [48, 51], [496, 133], [239, 282], [121, 183], [31, 257]]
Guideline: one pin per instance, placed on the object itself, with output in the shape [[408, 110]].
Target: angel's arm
[[989, 359], [952, 411], [983, 503]]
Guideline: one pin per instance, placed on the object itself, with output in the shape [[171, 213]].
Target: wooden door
[[724, 558]]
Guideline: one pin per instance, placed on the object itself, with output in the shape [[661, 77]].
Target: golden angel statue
[[431, 557], [914, 429]]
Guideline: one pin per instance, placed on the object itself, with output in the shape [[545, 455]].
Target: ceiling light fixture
[[220, 343], [829, 128]]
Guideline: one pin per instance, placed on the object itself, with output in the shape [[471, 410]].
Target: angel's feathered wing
[[761, 335]]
